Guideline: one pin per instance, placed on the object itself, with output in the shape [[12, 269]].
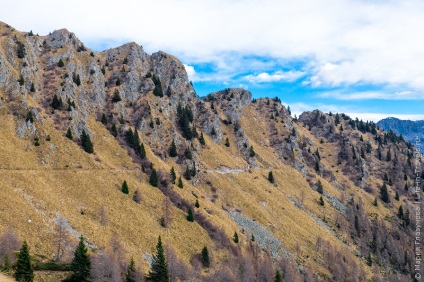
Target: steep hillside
[[300, 194], [409, 129]]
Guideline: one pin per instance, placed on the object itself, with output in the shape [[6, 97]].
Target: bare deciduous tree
[[103, 215], [9, 244], [137, 196], [61, 237], [167, 217], [178, 270]]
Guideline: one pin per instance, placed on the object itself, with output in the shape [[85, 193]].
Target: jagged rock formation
[[135, 107]]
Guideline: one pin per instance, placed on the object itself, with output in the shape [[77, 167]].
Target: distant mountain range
[[408, 128]]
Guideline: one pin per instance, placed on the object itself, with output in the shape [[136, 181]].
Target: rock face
[[409, 129]]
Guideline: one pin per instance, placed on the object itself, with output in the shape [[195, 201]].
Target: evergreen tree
[[235, 238], [130, 275], [21, 80], [118, 82], [173, 175], [116, 97], [55, 102], [190, 216], [375, 202], [86, 143], [205, 257], [173, 150], [81, 264], [61, 64], [104, 119], [317, 166], [154, 181], [69, 134], [180, 183], [406, 218], [142, 151], [7, 265], [271, 177], [124, 187], [397, 196], [369, 259], [252, 152], [197, 205], [129, 137], [278, 277], [321, 201], [202, 139], [384, 194], [187, 174], [113, 130], [227, 142], [320, 188], [32, 89], [24, 270], [159, 271], [400, 212], [187, 154]]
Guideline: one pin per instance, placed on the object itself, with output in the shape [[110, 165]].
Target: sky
[[361, 57]]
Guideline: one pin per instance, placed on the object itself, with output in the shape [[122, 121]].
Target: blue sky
[[361, 57]]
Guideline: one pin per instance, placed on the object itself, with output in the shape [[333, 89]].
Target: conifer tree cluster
[[133, 140], [185, 117], [158, 86], [86, 143]]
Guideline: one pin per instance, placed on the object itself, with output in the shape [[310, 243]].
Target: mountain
[[409, 129], [116, 146]]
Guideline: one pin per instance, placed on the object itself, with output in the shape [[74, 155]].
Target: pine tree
[[104, 119], [69, 134], [173, 175], [202, 139], [118, 82], [235, 238], [252, 152], [142, 151], [187, 154], [317, 166], [86, 143], [384, 194], [7, 265], [227, 142], [320, 188], [187, 174], [321, 201], [271, 177], [406, 218], [400, 212], [190, 216], [60, 64], [159, 271], [130, 275], [369, 259], [55, 103], [397, 196], [154, 181], [32, 89], [81, 264], [124, 187], [116, 97], [113, 130], [129, 137], [278, 277], [197, 205], [205, 257], [180, 183], [24, 270], [173, 150], [375, 202]]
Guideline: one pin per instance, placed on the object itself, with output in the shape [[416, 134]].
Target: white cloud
[[190, 72], [364, 95], [289, 76], [345, 42]]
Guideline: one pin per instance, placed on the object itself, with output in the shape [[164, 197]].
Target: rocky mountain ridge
[[295, 191]]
